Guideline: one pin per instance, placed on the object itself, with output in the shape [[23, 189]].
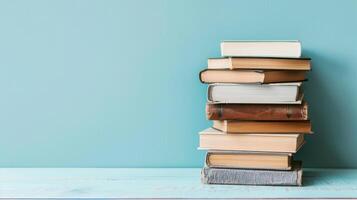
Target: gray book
[[273, 93], [252, 176]]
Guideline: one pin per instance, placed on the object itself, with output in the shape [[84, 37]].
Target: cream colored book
[[248, 160], [213, 139], [242, 48]]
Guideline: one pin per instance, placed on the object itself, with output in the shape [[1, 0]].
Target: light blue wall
[[115, 83]]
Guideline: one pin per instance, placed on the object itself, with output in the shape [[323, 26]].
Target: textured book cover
[[253, 177], [280, 112]]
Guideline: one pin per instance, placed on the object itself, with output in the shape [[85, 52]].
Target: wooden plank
[[162, 183]]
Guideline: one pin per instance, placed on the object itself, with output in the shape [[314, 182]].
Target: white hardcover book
[[277, 93], [283, 49]]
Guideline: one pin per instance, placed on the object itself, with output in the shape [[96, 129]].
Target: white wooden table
[[161, 183]]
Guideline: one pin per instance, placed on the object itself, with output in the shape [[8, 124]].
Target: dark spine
[[200, 75], [257, 112]]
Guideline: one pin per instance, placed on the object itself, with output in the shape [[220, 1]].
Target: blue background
[[115, 83]]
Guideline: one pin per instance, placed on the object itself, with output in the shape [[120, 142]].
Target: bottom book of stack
[[251, 159], [292, 177]]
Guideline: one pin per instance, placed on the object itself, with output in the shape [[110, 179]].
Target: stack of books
[[259, 116]]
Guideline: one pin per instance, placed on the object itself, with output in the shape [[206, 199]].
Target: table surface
[[162, 183]]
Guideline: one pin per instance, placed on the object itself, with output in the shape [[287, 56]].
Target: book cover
[[253, 177], [238, 126], [273, 93], [248, 160], [251, 76], [259, 63], [213, 139], [288, 49], [278, 112]]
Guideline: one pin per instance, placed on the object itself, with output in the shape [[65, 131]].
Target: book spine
[[200, 75], [256, 112], [250, 177]]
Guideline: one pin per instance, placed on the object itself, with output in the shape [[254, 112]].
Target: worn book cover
[[253, 177], [278, 112]]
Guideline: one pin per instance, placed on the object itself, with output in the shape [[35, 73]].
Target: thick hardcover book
[[259, 63], [274, 93], [273, 112], [252, 177], [213, 139], [243, 48], [248, 160], [237, 126], [250, 76]]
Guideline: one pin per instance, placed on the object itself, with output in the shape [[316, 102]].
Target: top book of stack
[[267, 55], [244, 48]]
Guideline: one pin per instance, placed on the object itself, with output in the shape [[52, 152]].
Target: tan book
[[260, 63], [250, 76], [235, 126], [249, 160], [212, 139]]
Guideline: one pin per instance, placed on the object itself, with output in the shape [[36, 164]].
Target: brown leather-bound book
[[271, 112]]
